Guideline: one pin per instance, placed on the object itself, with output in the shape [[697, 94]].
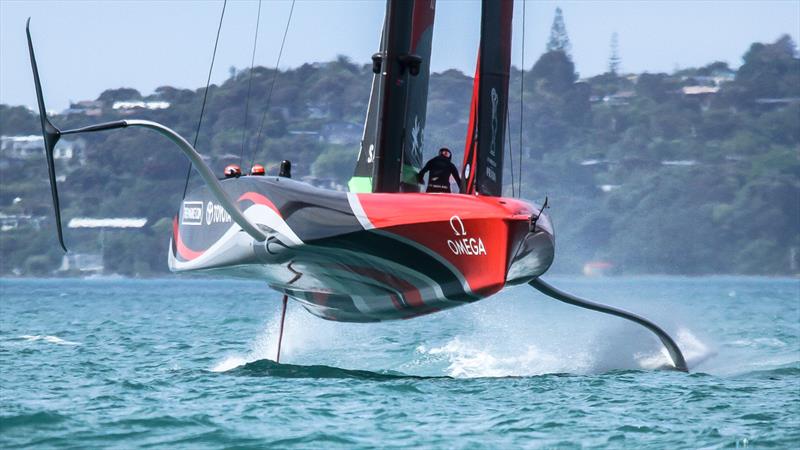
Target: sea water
[[188, 363]]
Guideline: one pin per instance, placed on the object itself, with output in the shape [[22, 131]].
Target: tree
[[119, 95], [559, 40], [769, 71], [657, 86], [17, 120], [555, 70], [596, 147], [614, 60]]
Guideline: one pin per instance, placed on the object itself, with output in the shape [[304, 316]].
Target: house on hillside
[[699, 91], [703, 94], [131, 106], [86, 107], [31, 146], [620, 98], [10, 222], [92, 263]]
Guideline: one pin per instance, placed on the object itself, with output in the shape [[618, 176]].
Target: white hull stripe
[[232, 245], [358, 211]]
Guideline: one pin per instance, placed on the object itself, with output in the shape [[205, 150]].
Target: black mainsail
[[391, 146], [417, 101], [483, 154]]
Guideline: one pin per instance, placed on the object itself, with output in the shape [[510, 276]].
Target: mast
[[391, 146], [393, 91], [483, 154], [393, 83]]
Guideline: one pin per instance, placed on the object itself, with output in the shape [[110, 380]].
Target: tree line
[[691, 172]]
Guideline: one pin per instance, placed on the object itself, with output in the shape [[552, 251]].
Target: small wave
[[31, 419], [315, 439], [51, 339], [780, 372], [269, 368]]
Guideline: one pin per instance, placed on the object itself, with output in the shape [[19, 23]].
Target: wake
[[490, 342], [472, 356]]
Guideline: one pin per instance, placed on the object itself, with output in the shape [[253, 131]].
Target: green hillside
[[692, 172]]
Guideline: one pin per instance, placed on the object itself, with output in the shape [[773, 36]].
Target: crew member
[[257, 170], [233, 171], [440, 169]]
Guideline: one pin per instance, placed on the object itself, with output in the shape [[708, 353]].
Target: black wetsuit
[[439, 180]]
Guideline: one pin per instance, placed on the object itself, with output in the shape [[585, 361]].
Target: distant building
[[632, 77], [85, 107], [9, 222], [32, 146], [620, 98], [132, 105], [699, 90], [716, 79], [21, 147], [92, 263], [111, 222]]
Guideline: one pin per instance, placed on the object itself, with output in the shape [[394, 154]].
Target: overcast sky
[[85, 47]]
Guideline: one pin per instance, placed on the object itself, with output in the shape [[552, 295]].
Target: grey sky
[[86, 47]]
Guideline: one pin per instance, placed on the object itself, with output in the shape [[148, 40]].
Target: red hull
[[366, 257]]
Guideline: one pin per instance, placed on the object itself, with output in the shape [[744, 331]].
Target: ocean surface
[[187, 363]]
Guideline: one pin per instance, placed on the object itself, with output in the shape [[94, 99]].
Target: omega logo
[[463, 245]]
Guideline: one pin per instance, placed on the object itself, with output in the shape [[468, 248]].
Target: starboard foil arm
[[52, 134], [674, 352]]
